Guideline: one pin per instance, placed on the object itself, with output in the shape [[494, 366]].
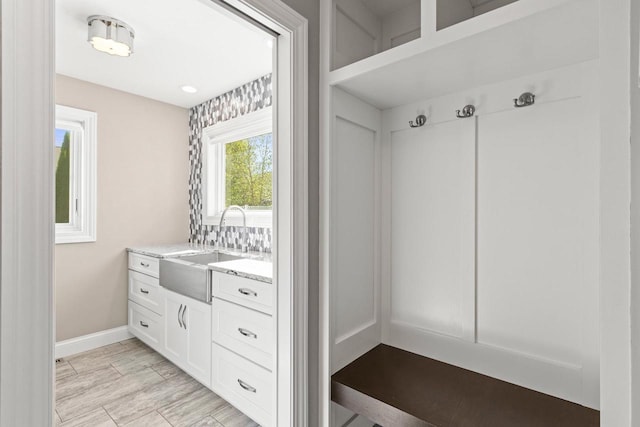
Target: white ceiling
[[177, 42]]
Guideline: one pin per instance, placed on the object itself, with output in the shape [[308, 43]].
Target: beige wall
[[143, 167]]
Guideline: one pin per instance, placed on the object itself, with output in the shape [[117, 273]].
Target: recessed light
[[189, 89]]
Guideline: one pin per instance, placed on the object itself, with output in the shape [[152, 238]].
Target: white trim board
[[91, 341]]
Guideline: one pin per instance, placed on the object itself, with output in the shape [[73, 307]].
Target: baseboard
[[89, 342]]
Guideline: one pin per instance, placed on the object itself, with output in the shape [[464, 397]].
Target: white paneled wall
[[355, 212], [537, 229], [432, 228], [490, 241]]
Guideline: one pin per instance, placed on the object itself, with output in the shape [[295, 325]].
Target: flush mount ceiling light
[[110, 35]]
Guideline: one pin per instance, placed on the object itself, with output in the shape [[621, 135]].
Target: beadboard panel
[[355, 242], [432, 228]]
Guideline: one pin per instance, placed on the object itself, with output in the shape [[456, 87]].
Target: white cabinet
[[242, 344], [187, 335], [247, 386], [146, 301], [146, 325]]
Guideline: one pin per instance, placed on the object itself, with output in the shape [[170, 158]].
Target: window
[[238, 168], [75, 175]]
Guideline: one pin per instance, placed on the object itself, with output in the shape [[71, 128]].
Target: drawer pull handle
[[247, 333], [246, 386], [144, 264], [144, 325], [179, 322], [248, 292], [144, 291]]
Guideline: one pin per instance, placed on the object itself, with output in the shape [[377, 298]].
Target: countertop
[[254, 265]]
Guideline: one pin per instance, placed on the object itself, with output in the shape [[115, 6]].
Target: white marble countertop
[[254, 265], [249, 268]]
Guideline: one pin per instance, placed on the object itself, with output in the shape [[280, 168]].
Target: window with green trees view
[[63, 170], [248, 172], [74, 144], [238, 168]]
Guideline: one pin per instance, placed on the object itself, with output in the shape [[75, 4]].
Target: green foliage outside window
[[249, 172], [62, 180]]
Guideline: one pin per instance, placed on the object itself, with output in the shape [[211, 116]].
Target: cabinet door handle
[[144, 325], [248, 292], [144, 264], [246, 386], [247, 333], [144, 291], [184, 323], [179, 310]]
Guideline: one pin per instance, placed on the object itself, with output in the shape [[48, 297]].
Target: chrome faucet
[[244, 224]]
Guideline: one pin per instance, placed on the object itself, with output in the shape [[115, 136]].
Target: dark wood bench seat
[[393, 388]]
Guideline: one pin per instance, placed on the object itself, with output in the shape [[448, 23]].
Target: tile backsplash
[[248, 98]]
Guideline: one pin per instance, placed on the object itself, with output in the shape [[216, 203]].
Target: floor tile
[[152, 419], [104, 356], [96, 418], [64, 369], [136, 361], [207, 422], [192, 408], [167, 369], [131, 407], [129, 384], [229, 416], [84, 382], [105, 393]]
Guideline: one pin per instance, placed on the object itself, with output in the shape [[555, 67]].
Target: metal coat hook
[[420, 121], [466, 112], [525, 100]]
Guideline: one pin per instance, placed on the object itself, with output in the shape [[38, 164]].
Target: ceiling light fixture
[[189, 89], [110, 35]]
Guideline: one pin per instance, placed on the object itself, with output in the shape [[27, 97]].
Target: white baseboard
[[89, 342]]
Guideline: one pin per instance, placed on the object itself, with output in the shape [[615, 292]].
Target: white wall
[[143, 169]]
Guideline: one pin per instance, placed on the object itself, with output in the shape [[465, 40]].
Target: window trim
[[82, 176], [214, 139]]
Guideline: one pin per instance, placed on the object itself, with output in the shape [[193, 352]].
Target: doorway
[[30, 401]]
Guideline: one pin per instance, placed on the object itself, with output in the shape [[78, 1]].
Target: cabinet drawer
[[250, 293], [247, 386], [245, 331], [146, 325], [146, 291], [144, 264]]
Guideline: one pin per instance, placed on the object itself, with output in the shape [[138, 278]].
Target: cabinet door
[[197, 326], [175, 338], [432, 224]]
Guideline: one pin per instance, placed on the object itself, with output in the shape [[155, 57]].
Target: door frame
[[27, 311]]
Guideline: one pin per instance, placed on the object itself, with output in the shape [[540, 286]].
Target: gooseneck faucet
[[244, 224]]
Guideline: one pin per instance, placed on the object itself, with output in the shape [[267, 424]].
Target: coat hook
[[420, 121], [467, 111], [525, 100]]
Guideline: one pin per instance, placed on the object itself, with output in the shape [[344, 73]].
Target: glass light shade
[[110, 35]]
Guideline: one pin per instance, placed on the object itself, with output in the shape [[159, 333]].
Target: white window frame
[[82, 175], [214, 139]]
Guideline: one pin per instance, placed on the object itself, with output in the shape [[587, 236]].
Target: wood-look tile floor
[[129, 384]]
